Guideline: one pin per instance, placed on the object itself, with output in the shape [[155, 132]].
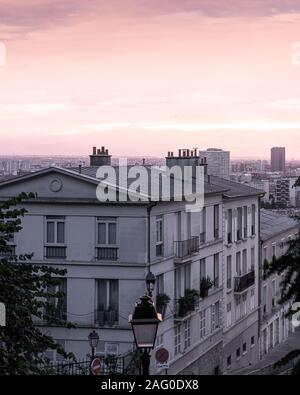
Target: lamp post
[[93, 341], [144, 322]]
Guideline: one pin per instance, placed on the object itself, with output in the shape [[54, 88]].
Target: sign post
[[162, 357]]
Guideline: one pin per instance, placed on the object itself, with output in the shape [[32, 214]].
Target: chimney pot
[[94, 150]]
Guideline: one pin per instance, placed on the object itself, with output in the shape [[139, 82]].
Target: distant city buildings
[[278, 159], [218, 162]]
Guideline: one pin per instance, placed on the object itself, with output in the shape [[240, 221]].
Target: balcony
[[55, 252], [186, 248], [185, 305], [242, 283], [106, 318], [107, 253]]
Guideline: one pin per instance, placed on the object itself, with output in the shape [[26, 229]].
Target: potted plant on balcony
[[205, 286], [100, 315], [111, 316], [187, 302], [162, 300]]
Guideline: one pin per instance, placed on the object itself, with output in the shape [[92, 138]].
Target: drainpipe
[[149, 208]]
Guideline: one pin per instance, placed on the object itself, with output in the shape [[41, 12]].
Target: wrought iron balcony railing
[[186, 248], [55, 252], [106, 253], [242, 283]]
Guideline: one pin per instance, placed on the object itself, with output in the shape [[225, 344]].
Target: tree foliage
[[26, 289], [288, 265]]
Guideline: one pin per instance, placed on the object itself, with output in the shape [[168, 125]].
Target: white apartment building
[[106, 251], [218, 162], [275, 327], [240, 275]]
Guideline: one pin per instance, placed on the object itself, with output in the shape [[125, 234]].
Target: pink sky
[[147, 77]]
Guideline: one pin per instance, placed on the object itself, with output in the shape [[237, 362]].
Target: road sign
[[162, 355], [96, 366], [163, 365]]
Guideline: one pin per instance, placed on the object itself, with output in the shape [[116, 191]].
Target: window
[[160, 340], [229, 226], [55, 233], [238, 353], [253, 212], [216, 270], [252, 341], [244, 268], [252, 259], [264, 299], [108, 302], [187, 333], [239, 223], [177, 339], [265, 252], [229, 272], [202, 269], [245, 222], [107, 231], [238, 264], [187, 276], [244, 304], [216, 221], [238, 308], [202, 324], [177, 274], [215, 316], [244, 348], [159, 236], [273, 250], [107, 239], [273, 293], [56, 308], [228, 316], [160, 284], [252, 299], [203, 228], [229, 360]]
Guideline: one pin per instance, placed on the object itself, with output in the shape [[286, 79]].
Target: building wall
[[275, 326]]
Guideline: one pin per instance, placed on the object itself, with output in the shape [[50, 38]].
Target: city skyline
[[128, 74]]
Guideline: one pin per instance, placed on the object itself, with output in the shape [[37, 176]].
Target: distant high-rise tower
[[218, 162], [278, 159]]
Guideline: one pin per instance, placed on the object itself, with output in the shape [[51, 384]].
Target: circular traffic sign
[[96, 366], [162, 355]]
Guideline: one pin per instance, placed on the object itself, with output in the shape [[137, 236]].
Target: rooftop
[[273, 223]]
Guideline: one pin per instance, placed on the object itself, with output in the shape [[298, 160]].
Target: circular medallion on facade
[[56, 185]]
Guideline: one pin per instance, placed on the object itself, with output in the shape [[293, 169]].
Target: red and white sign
[[96, 366], [162, 355]]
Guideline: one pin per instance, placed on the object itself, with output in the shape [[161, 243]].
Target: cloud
[[31, 15], [286, 104]]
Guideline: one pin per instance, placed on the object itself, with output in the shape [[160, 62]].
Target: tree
[[289, 266], [26, 290]]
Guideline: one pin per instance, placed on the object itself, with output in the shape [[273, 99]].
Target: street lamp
[[144, 322], [93, 341], [150, 283]]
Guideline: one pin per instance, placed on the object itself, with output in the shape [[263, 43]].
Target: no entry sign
[[96, 367], [162, 355]]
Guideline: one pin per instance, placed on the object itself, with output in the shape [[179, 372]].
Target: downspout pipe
[[149, 208]]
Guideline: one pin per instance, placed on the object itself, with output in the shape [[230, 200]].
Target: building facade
[[276, 231], [108, 247], [278, 159], [218, 162]]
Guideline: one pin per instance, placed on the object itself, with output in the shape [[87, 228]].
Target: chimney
[[80, 168], [100, 157]]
